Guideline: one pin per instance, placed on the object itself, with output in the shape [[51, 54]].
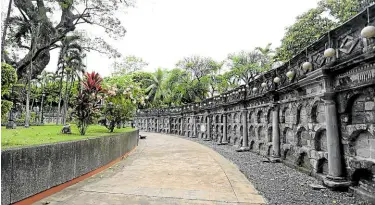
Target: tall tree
[[198, 66], [201, 71], [70, 51], [128, 65], [267, 55], [245, 65], [5, 28], [309, 27], [343, 10], [155, 91], [72, 13], [43, 79]]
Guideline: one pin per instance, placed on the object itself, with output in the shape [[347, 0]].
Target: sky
[[162, 32]]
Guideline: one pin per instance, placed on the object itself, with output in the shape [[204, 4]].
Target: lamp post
[[11, 124]]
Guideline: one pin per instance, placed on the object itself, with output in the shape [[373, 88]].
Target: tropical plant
[[70, 54], [86, 106], [246, 65], [156, 92]]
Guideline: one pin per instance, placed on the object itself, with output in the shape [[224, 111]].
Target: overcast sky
[[164, 31]]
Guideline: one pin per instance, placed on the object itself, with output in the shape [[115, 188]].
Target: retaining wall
[[27, 171]]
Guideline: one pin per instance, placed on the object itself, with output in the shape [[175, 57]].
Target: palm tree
[[74, 70], [266, 53], [68, 46], [155, 91], [43, 78]]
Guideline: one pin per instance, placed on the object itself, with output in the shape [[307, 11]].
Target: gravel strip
[[278, 183]]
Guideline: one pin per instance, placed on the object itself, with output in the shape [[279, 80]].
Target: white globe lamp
[[329, 52], [306, 66], [368, 32], [277, 80]]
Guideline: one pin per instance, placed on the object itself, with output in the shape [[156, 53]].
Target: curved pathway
[[164, 170]]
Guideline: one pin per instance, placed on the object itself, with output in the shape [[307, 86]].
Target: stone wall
[[321, 120], [27, 171]]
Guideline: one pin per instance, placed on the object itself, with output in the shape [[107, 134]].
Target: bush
[[86, 107]]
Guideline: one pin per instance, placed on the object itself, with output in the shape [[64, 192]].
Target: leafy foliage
[[33, 30], [343, 10], [246, 65], [86, 106], [8, 78], [128, 65], [309, 27], [123, 97]]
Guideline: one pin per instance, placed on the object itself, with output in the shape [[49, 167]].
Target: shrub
[[86, 107]]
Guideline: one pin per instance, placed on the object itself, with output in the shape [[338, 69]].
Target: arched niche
[[261, 134], [304, 161], [288, 136], [321, 140], [303, 137], [269, 151], [317, 112], [260, 116], [322, 166], [251, 132], [363, 177], [361, 145], [217, 119], [235, 118], [269, 116], [362, 109], [252, 144], [269, 134]]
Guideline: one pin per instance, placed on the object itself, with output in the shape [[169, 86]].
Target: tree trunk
[[6, 25], [65, 100], [60, 95], [27, 117], [41, 104]]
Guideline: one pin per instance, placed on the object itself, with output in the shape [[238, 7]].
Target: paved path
[[164, 170]]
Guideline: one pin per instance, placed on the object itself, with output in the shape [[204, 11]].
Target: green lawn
[[49, 134]]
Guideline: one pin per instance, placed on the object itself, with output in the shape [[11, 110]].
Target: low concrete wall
[[27, 171]]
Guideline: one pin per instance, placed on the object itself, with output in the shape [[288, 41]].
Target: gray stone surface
[[280, 184], [30, 170], [6, 177]]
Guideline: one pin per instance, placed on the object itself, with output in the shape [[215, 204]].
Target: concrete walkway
[[164, 170]]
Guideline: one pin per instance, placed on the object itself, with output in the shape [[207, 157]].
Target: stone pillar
[[208, 128], [169, 125], [335, 178], [245, 144], [224, 140], [275, 134], [157, 124], [194, 135], [182, 125], [146, 124]]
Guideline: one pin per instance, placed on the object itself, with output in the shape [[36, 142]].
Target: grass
[[50, 133]]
